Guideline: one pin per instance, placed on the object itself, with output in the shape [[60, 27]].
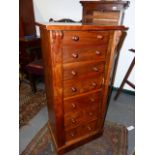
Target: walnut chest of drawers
[[77, 61]]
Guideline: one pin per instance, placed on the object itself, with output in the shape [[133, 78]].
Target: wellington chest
[[103, 12], [77, 61]]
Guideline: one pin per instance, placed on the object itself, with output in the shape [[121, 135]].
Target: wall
[[57, 9], [125, 55]]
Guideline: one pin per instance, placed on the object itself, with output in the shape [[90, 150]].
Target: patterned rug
[[112, 142], [29, 103]]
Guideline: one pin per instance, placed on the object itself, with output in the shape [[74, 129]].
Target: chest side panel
[[51, 45]]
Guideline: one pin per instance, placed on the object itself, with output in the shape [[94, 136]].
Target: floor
[[121, 111]]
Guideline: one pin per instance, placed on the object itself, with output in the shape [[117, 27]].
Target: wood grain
[[77, 87]]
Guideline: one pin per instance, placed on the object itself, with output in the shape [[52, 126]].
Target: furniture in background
[[125, 79], [29, 50], [106, 13], [35, 69], [103, 12], [64, 20], [77, 85], [26, 14], [29, 43]]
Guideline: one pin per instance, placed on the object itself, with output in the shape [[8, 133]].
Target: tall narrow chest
[[77, 63]]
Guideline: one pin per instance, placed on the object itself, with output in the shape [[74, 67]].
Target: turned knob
[[90, 113], [75, 38], [94, 84], [92, 100], [73, 120], [73, 105], [74, 72], [74, 89], [72, 134], [75, 55], [89, 128], [99, 37], [98, 52], [95, 69]]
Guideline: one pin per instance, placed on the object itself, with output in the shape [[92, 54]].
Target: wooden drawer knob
[[74, 72], [75, 55], [98, 52], [75, 38], [99, 37], [73, 120], [74, 89], [72, 134], [92, 100], [73, 105], [95, 69], [89, 128], [90, 114], [94, 84]]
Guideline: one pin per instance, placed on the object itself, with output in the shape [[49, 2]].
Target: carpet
[[112, 142], [29, 103]]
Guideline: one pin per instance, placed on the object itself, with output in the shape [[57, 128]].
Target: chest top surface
[[77, 26]]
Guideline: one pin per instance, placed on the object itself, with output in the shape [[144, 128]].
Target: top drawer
[[73, 54], [85, 38]]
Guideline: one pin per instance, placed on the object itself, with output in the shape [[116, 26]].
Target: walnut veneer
[[77, 64]]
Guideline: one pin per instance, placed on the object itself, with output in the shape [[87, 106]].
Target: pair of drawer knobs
[[76, 38], [74, 105], [75, 89], [74, 121], [76, 55], [72, 134], [74, 73]]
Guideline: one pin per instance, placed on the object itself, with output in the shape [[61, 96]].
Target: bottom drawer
[[81, 130]]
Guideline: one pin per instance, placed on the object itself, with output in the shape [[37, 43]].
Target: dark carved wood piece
[[65, 20]]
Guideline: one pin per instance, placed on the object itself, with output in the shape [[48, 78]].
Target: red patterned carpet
[[112, 142], [29, 103]]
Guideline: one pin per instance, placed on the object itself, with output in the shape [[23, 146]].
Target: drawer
[[85, 38], [75, 70], [82, 85], [75, 119], [84, 101], [73, 54], [91, 113], [103, 8], [80, 131]]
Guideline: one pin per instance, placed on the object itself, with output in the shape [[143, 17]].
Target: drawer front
[[75, 119], [85, 38], [90, 8], [82, 85], [78, 103], [81, 131], [91, 113], [73, 54], [75, 70]]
